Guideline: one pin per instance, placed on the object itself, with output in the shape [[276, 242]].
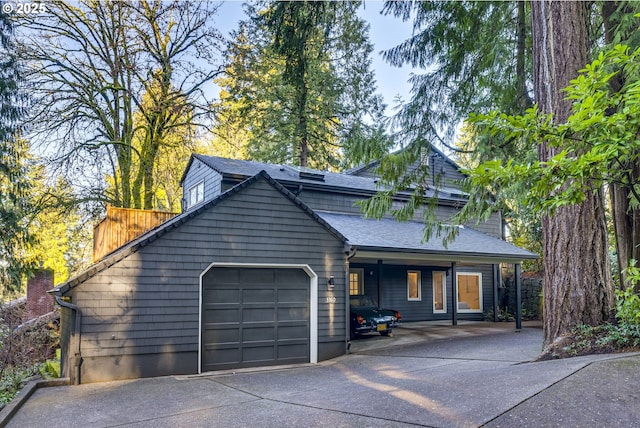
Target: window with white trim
[[439, 292], [469, 292], [195, 194], [414, 285], [356, 282]]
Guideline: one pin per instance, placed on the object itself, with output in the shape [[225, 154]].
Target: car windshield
[[362, 301]]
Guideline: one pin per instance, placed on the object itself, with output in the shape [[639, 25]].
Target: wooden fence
[[122, 225]]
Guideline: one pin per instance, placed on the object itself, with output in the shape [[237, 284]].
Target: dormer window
[[196, 194]]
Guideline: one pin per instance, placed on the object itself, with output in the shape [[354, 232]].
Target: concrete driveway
[[432, 375]]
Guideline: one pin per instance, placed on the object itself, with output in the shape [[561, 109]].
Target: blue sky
[[385, 32]]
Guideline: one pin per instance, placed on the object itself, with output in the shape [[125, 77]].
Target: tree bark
[[524, 100], [577, 278], [626, 224]]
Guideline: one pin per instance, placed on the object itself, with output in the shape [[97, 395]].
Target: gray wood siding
[[149, 302], [326, 201], [197, 173], [444, 171], [329, 201], [393, 294], [492, 227], [441, 171]]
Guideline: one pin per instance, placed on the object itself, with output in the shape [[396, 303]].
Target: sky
[[385, 32]]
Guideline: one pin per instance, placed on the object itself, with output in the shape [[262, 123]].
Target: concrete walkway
[[426, 375]]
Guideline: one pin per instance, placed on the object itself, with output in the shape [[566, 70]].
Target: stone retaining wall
[[531, 296]]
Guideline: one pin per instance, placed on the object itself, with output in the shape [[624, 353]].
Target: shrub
[[503, 315], [51, 368], [23, 348], [627, 300], [13, 380], [628, 306]]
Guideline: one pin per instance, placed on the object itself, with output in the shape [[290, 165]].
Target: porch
[[428, 288]]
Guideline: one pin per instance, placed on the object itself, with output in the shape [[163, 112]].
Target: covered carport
[[383, 247]]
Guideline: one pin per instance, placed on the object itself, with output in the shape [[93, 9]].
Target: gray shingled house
[[258, 269]]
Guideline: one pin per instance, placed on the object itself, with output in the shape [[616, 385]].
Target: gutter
[[77, 358], [436, 255]]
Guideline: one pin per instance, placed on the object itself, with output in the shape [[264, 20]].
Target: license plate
[[382, 327]]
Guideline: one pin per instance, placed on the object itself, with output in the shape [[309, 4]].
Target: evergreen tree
[[14, 185], [476, 56], [64, 234], [298, 86], [577, 277]]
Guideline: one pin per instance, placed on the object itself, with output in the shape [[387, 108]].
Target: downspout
[[78, 355], [349, 251]]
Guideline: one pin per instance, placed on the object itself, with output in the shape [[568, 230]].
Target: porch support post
[[379, 281], [454, 295], [518, 298], [496, 279], [347, 306]]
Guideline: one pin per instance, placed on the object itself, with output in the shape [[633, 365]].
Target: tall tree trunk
[[303, 132], [577, 278], [137, 189], [149, 172], [303, 127], [626, 223], [524, 100], [124, 168]]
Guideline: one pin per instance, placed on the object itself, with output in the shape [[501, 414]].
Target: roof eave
[[441, 256]]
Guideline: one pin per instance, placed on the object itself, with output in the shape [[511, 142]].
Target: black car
[[367, 317]]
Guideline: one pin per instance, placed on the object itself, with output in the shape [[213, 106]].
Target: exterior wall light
[[331, 283]]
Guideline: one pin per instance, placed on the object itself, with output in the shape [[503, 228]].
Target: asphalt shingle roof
[[286, 173], [390, 234]]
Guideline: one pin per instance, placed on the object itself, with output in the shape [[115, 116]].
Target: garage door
[[254, 317]]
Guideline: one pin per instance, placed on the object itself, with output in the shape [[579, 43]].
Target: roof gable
[[174, 223], [373, 164]]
